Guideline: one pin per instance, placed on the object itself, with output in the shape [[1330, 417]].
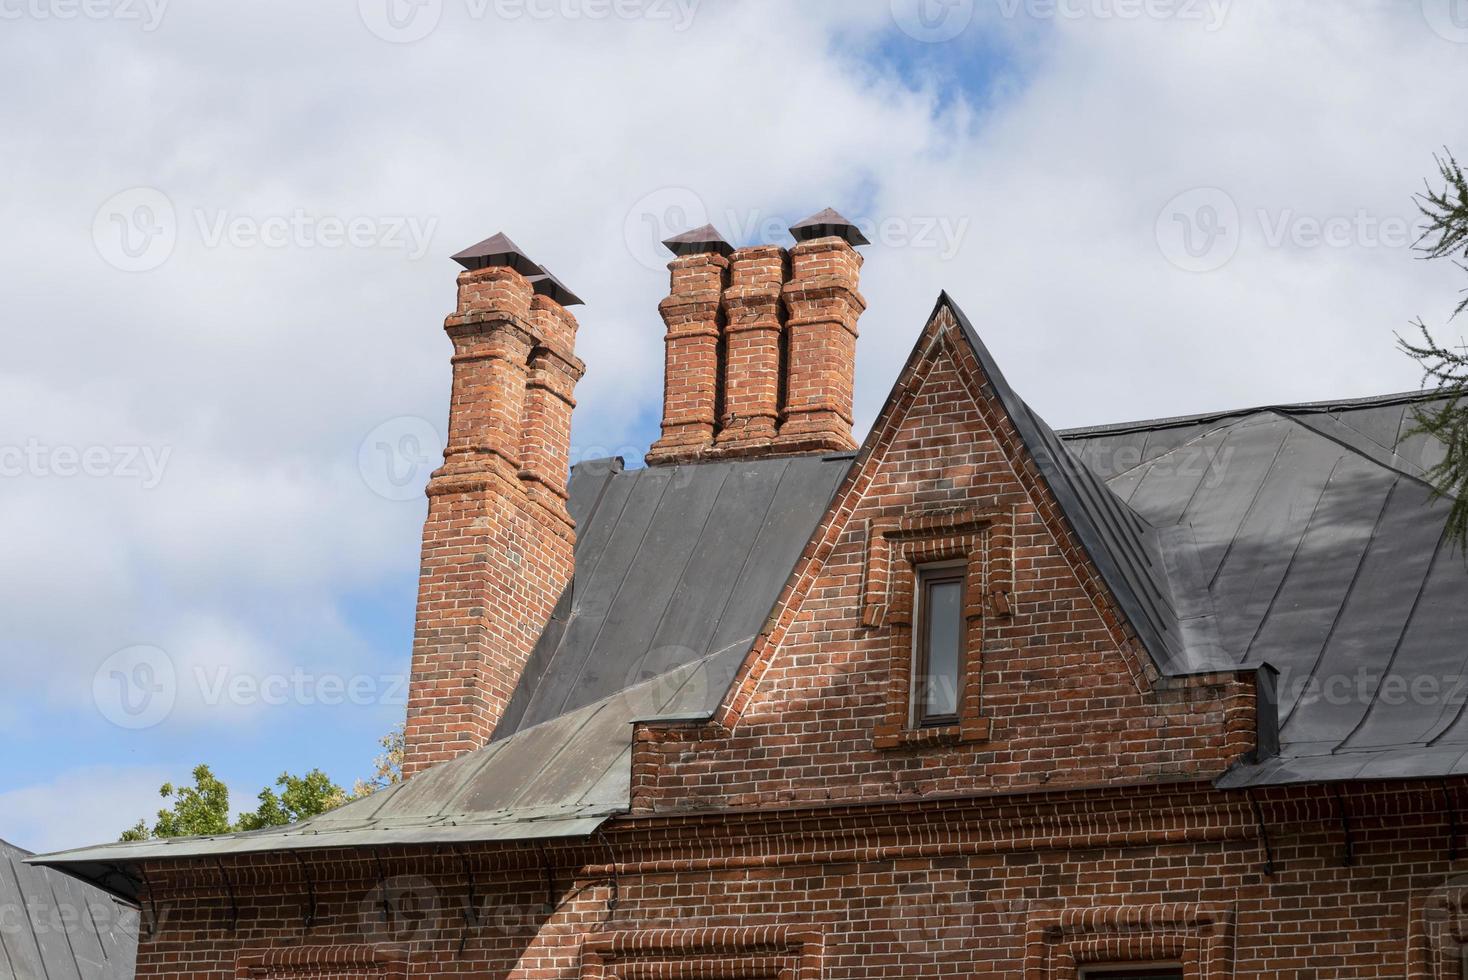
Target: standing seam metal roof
[[58, 928]]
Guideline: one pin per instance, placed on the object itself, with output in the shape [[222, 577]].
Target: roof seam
[[1345, 601]]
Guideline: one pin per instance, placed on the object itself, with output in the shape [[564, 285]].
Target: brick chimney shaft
[[761, 344], [693, 313], [498, 541], [753, 349], [823, 306]]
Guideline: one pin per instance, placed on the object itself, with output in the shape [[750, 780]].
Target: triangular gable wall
[[1057, 684]]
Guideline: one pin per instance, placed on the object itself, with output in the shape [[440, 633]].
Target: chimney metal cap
[[699, 240], [546, 284], [828, 224], [498, 250]]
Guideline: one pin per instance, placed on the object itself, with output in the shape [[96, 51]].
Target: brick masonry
[[498, 541], [806, 831], [1027, 886]]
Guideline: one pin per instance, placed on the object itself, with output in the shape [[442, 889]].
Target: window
[[938, 645], [1133, 973]]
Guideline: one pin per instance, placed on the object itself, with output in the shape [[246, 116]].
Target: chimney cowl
[[698, 241], [546, 284], [498, 250], [829, 223]]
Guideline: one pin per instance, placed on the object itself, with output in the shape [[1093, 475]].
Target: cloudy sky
[[225, 269]]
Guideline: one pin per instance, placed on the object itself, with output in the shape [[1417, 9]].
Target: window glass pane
[[1138, 973], [941, 623]]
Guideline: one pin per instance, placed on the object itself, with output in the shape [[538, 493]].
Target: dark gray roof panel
[[59, 928], [1323, 555], [1124, 547], [676, 563]]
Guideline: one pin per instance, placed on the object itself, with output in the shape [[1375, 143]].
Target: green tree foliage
[[203, 808], [1445, 368]]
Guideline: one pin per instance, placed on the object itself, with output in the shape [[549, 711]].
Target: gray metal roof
[[1322, 553], [1126, 549], [58, 928], [677, 569]]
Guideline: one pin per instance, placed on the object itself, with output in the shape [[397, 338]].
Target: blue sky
[[226, 273]]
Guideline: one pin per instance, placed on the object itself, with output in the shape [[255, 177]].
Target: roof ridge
[[1314, 407]]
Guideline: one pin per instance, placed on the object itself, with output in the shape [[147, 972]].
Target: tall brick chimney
[[498, 541], [761, 344]]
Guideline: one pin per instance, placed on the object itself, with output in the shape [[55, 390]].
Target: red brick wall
[[498, 542], [1057, 691], [1029, 886]]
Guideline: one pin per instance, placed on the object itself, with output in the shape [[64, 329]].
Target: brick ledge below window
[[964, 733]]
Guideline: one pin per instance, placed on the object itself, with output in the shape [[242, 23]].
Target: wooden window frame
[[925, 577], [981, 542]]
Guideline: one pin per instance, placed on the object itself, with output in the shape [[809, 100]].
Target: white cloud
[[81, 806]]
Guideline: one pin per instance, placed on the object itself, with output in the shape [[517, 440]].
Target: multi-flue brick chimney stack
[[498, 541], [761, 344]]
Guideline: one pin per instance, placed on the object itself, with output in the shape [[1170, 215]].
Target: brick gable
[[1057, 688]]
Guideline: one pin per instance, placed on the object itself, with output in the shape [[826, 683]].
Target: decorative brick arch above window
[[725, 953], [1059, 943], [316, 962], [982, 539]]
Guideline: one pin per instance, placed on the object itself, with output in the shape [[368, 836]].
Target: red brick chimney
[[761, 344], [822, 306], [497, 544]]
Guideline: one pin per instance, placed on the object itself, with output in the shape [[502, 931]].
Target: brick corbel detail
[[753, 360], [693, 313], [545, 425], [309, 962], [823, 307], [1059, 943], [714, 953], [983, 539]]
